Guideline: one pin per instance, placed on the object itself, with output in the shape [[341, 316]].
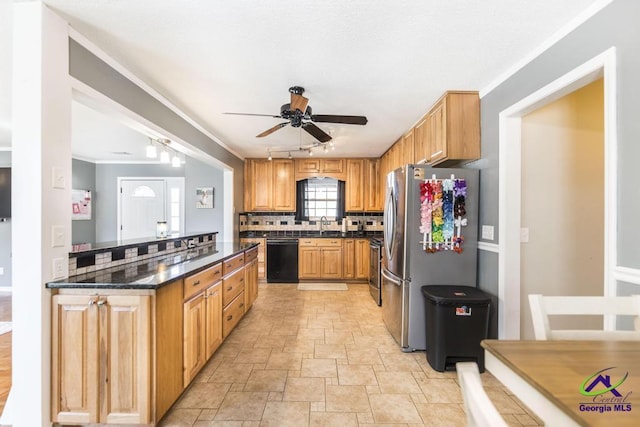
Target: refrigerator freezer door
[[394, 222], [395, 307]]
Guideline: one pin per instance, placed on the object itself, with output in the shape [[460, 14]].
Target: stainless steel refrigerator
[[410, 261]]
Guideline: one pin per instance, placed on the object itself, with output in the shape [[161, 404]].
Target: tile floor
[[324, 358]]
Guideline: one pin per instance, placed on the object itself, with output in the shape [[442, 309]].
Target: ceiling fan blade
[[272, 130], [298, 102], [316, 132], [349, 120], [252, 114]]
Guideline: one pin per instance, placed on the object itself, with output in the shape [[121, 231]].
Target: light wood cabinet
[[168, 334], [202, 319], [251, 278], [262, 255], [408, 148], [284, 186], [194, 349], [213, 319], [269, 185], [354, 186], [373, 190], [308, 262], [307, 168], [420, 132], [320, 259], [454, 129], [101, 359], [233, 288], [362, 254], [356, 259]]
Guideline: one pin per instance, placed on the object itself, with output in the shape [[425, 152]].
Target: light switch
[[487, 232], [58, 178], [1, 271], [57, 236], [524, 235]]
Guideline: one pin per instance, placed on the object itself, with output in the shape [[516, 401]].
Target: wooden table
[[548, 377]]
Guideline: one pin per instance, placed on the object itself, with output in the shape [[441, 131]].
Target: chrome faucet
[[323, 221]]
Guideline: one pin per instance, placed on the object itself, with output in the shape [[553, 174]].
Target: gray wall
[[196, 174], [616, 25], [5, 233], [83, 177], [92, 71]]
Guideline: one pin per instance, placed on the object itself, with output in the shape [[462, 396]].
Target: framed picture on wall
[[204, 198], [80, 204]]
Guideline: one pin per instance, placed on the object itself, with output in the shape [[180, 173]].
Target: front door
[[142, 205]]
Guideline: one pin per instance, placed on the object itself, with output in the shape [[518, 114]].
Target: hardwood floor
[[5, 350]]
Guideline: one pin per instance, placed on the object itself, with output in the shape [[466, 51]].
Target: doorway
[[143, 202], [510, 198], [562, 207]]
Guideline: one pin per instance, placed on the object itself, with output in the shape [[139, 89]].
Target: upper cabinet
[[269, 185], [448, 135], [307, 168], [450, 132], [354, 186]]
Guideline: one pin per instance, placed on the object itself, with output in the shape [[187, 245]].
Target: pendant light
[[175, 161], [164, 156]]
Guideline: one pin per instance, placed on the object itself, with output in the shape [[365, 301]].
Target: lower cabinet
[[124, 356], [320, 259], [101, 359]]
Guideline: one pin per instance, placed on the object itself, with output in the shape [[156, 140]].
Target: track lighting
[[152, 152], [175, 161], [269, 158], [290, 156], [164, 156]]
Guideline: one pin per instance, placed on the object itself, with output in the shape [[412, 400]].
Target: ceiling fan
[[299, 114]]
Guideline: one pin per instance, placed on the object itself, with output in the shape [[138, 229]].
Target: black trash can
[[456, 320]]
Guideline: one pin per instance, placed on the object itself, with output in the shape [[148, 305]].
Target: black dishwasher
[[282, 260]]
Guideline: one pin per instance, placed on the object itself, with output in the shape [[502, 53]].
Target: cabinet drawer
[[231, 286], [232, 314], [330, 242], [232, 264], [324, 242], [199, 281], [250, 255]]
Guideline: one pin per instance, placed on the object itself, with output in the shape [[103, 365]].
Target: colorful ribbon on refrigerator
[[442, 208]]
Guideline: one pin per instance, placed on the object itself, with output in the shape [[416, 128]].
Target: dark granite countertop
[[311, 234], [154, 273]]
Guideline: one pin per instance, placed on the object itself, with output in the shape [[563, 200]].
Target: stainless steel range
[[375, 261]]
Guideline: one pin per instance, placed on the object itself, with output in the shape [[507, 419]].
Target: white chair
[[544, 306], [479, 409]]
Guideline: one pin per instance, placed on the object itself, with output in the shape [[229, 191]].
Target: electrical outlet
[[1, 271], [58, 268], [524, 235], [487, 232]]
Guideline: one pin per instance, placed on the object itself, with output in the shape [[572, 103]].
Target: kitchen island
[[128, 339]]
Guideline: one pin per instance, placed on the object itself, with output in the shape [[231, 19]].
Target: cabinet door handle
[[92, 301], [101, 302], [229, 318], [196, 283], [241, 305], [230, 288], [242, 279]]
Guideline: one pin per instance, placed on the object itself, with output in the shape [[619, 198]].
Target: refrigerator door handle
[[390, 277], [389, 222]]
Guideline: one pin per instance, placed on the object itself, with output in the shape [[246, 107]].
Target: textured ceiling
[[388, 60]]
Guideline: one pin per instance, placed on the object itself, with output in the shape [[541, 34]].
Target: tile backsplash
[[270, 221], [99, 259]]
